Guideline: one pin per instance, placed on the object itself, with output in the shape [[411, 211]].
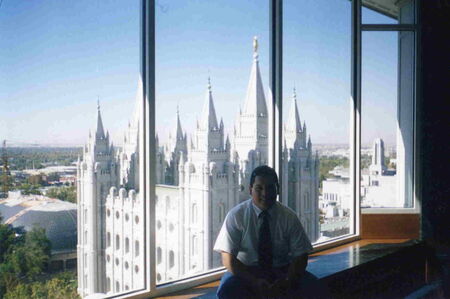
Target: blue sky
[[63, 55]]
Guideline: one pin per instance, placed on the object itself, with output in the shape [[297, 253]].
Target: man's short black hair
[[264, 171]]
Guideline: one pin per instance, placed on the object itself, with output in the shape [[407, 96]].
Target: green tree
[[30, 257], [27, 189], [67, 193], [25, 258], [6, 241], [64, 285], [61, 286], [22, 158], [329, 163], [38, 290], [39, 251], [8, 279], [20, 290], [7, 236], [5, 178]]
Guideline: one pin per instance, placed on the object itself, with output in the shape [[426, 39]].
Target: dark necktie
[[265, 243]]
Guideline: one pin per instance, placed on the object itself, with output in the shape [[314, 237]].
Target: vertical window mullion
[[355, 141], [148, 146], [415, 155], [276, 65]]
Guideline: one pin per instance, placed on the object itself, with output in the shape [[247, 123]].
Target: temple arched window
[[221, 212], [136, 248], [171, 259], [158, 255]]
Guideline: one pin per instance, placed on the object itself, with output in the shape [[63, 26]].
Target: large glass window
[[320, 165], [388, 92], [316, 116], [211, 123], [70, 114], [133, 174], [379, 121]]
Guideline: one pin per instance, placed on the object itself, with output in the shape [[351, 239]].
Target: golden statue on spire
[[255, 44]]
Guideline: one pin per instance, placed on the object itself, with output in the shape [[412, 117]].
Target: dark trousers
[[233, 287]]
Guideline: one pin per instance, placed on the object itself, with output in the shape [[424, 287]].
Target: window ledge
[[367, 261], [390, 211]]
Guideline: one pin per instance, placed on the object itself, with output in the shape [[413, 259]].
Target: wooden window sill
[[328, 264]]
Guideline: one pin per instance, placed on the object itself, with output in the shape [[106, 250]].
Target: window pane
[[388, 12], [70, 75], [372, 13], [387, 119], [211, 123], [316, 114]]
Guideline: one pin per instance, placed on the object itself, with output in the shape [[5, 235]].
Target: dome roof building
[[58, 219]]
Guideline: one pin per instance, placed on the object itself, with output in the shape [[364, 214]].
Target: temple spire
[[209, 119], [294, 123], [255, 47], [255, 101], [179, 131], [99, 131]]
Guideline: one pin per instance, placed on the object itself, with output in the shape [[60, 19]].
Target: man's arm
[[236, 267]]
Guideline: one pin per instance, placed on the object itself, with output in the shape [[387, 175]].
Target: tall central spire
[[179, 131], [99, 131], [209, 119], [255, 101]]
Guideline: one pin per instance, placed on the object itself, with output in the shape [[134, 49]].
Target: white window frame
[[147, 126]]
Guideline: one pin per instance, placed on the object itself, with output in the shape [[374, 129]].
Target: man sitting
[[264, 246]]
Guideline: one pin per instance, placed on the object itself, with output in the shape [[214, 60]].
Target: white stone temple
[[198, 180]]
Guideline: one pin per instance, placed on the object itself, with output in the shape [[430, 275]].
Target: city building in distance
[[378, 185], [198, 180]]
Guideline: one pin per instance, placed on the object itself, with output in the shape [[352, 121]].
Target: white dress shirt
[[239, 234]]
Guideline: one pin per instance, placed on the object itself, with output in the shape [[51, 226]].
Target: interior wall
[[390, 226], [433, 132]]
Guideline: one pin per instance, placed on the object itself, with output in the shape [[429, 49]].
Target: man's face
[[264, 192]]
